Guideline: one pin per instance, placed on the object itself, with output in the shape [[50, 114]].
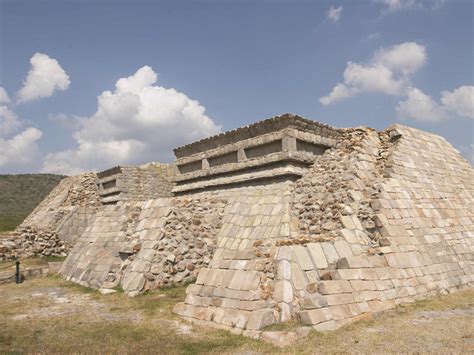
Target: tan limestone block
[[364, 296], [284, 270], [298, 277], [260, 319], [315, 316], [354, 262], [343, 248], [329, 252], [334, 286], [238, 279], [345, 311], [349, 235], [202, 276], [302, 257], [284, 253], [347, 222], [285, 312], [341, 298], [283, 291], [317, 255], [363, 285]]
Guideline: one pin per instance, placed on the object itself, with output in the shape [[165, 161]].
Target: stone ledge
[[270, 173], [259, 128], [300, 157]]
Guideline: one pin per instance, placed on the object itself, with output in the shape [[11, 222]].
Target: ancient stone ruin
[[285, 219]]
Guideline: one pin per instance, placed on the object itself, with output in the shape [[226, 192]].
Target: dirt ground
[[50, 315]]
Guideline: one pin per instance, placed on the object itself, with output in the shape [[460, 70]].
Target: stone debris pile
[[29, 243]]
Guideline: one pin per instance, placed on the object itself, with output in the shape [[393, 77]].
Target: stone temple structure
[[285, 219]]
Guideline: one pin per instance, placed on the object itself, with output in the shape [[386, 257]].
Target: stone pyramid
[[286, 219]]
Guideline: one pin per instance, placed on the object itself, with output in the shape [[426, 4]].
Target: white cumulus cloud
[[4, 98], [421, 107], [388, 72], [19, 150], [44, 78], [9, 121], [334, 13], [138, 121], [461, 101]]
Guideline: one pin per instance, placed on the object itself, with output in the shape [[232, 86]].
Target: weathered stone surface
[[284, 219]]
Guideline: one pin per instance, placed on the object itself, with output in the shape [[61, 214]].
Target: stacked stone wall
[[380, 219], [426, 244], [376, 219], [146, 182], [148, 244], [236, 290]]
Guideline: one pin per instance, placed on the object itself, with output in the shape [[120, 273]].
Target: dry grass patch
[[50, 315]]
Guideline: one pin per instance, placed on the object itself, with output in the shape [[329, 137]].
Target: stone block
[[260, 319], [343, 248], [317, 255], [329, 252], [347, 222], [237, 279], [363, 285], [364, 296], [298, 277], [283, 291], [284, 270], [313, 302], [202, 276], [349, 235], [334, 286], [302, 257], [315, 316], [353, 262], [344, 311], [341, 298]]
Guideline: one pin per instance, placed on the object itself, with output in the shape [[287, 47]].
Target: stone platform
[[286, 219]]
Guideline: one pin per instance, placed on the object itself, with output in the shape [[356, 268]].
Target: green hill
[[20, 194]]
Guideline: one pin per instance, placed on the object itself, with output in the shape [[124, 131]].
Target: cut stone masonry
[[285, 219]]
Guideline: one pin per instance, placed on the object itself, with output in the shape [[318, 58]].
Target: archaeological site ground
[[283, 223]]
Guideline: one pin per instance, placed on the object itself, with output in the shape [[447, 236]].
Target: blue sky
[[192, 68]]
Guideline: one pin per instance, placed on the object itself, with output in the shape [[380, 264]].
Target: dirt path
[[50, 315]]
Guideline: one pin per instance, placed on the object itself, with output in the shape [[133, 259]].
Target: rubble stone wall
[[424, 221], [148, 244], [323, 228], [380, 219]]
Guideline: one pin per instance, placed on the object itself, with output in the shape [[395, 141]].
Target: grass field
[[50, 315]]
